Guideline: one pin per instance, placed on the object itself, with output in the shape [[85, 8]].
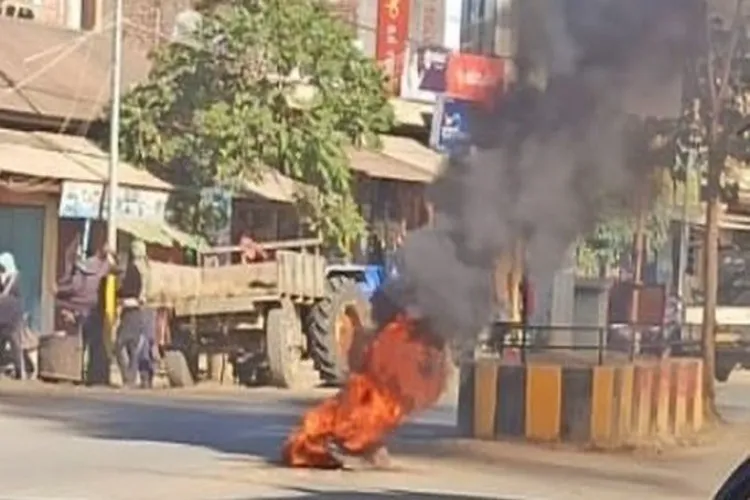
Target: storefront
[[33, 169]]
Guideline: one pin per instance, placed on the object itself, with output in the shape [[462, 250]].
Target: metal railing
[[624, 342]]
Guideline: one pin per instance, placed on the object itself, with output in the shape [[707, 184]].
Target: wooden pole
[[638, 245]]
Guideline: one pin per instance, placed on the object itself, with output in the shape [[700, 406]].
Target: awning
[[412, 113], [66, 157], [160, 233], [275, 186], [400, 158]]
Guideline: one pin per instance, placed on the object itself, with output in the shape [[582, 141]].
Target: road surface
[[74, 443]]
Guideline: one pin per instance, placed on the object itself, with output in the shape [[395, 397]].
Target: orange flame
[[403, 371]]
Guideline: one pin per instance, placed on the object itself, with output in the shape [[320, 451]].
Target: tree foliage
[[652, 143], [262, 84], [730, 146], [613, 238]]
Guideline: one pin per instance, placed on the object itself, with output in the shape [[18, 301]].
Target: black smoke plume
[[562, 151]]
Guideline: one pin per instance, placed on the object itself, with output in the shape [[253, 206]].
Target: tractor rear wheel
[[285, 348], [336, 326]]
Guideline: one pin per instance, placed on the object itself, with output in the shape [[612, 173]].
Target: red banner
[[475, 78], [392, 37]]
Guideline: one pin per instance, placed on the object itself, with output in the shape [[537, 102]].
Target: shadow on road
[[243, 428], [306, 494]]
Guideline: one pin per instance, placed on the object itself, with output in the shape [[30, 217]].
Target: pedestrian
[[146, 354], [11, 313], [132, 338], [79, 297]]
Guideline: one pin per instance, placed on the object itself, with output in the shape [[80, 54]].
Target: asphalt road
[[73, 443]]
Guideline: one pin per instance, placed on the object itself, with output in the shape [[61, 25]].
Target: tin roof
[[55, 72], [275, 186], [65, 157], [160, 233], [401, 158]]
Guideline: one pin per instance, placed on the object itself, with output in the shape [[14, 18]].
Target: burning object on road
[[403, 370]]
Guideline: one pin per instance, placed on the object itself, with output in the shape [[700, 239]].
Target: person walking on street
[[146, 357], [11, 312], [132, 338]]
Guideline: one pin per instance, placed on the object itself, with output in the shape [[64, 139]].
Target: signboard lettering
[[424, 76], [475, 78], [451, 126], [87, 200], [392, 35]]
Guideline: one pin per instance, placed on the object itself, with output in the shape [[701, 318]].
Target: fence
[[627, 342]]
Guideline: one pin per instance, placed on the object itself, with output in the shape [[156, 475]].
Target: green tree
[[275, 84], [613, 238], [652, 143]]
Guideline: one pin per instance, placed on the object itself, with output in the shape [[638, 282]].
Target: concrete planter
[[602, 406]]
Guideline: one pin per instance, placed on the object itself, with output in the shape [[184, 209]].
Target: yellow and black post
[[110, 314]]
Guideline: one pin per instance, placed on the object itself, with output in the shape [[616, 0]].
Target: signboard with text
[[476, 78], [451, 125], [80, 200], [133, 203], [391, 37], [216, 208], [424, 76], [87, 200]]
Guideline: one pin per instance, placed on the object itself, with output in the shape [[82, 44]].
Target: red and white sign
[[392, 37], [475, 78]]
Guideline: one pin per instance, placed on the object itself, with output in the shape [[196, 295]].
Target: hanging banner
[[475, 78], [450, 131], [424, 76], [216, 208], [392, 35]]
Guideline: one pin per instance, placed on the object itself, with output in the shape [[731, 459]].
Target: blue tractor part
[[369, 277], [374, 278]]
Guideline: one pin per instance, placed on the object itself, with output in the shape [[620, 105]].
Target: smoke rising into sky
[[554, 161]]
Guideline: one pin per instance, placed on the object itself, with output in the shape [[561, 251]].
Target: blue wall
[[22, 234]]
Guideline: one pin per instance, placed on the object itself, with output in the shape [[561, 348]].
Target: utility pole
[[114, 126], [110, 303], [639, 241], [713, 192]]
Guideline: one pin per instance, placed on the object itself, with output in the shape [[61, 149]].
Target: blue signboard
[[450, 125]]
